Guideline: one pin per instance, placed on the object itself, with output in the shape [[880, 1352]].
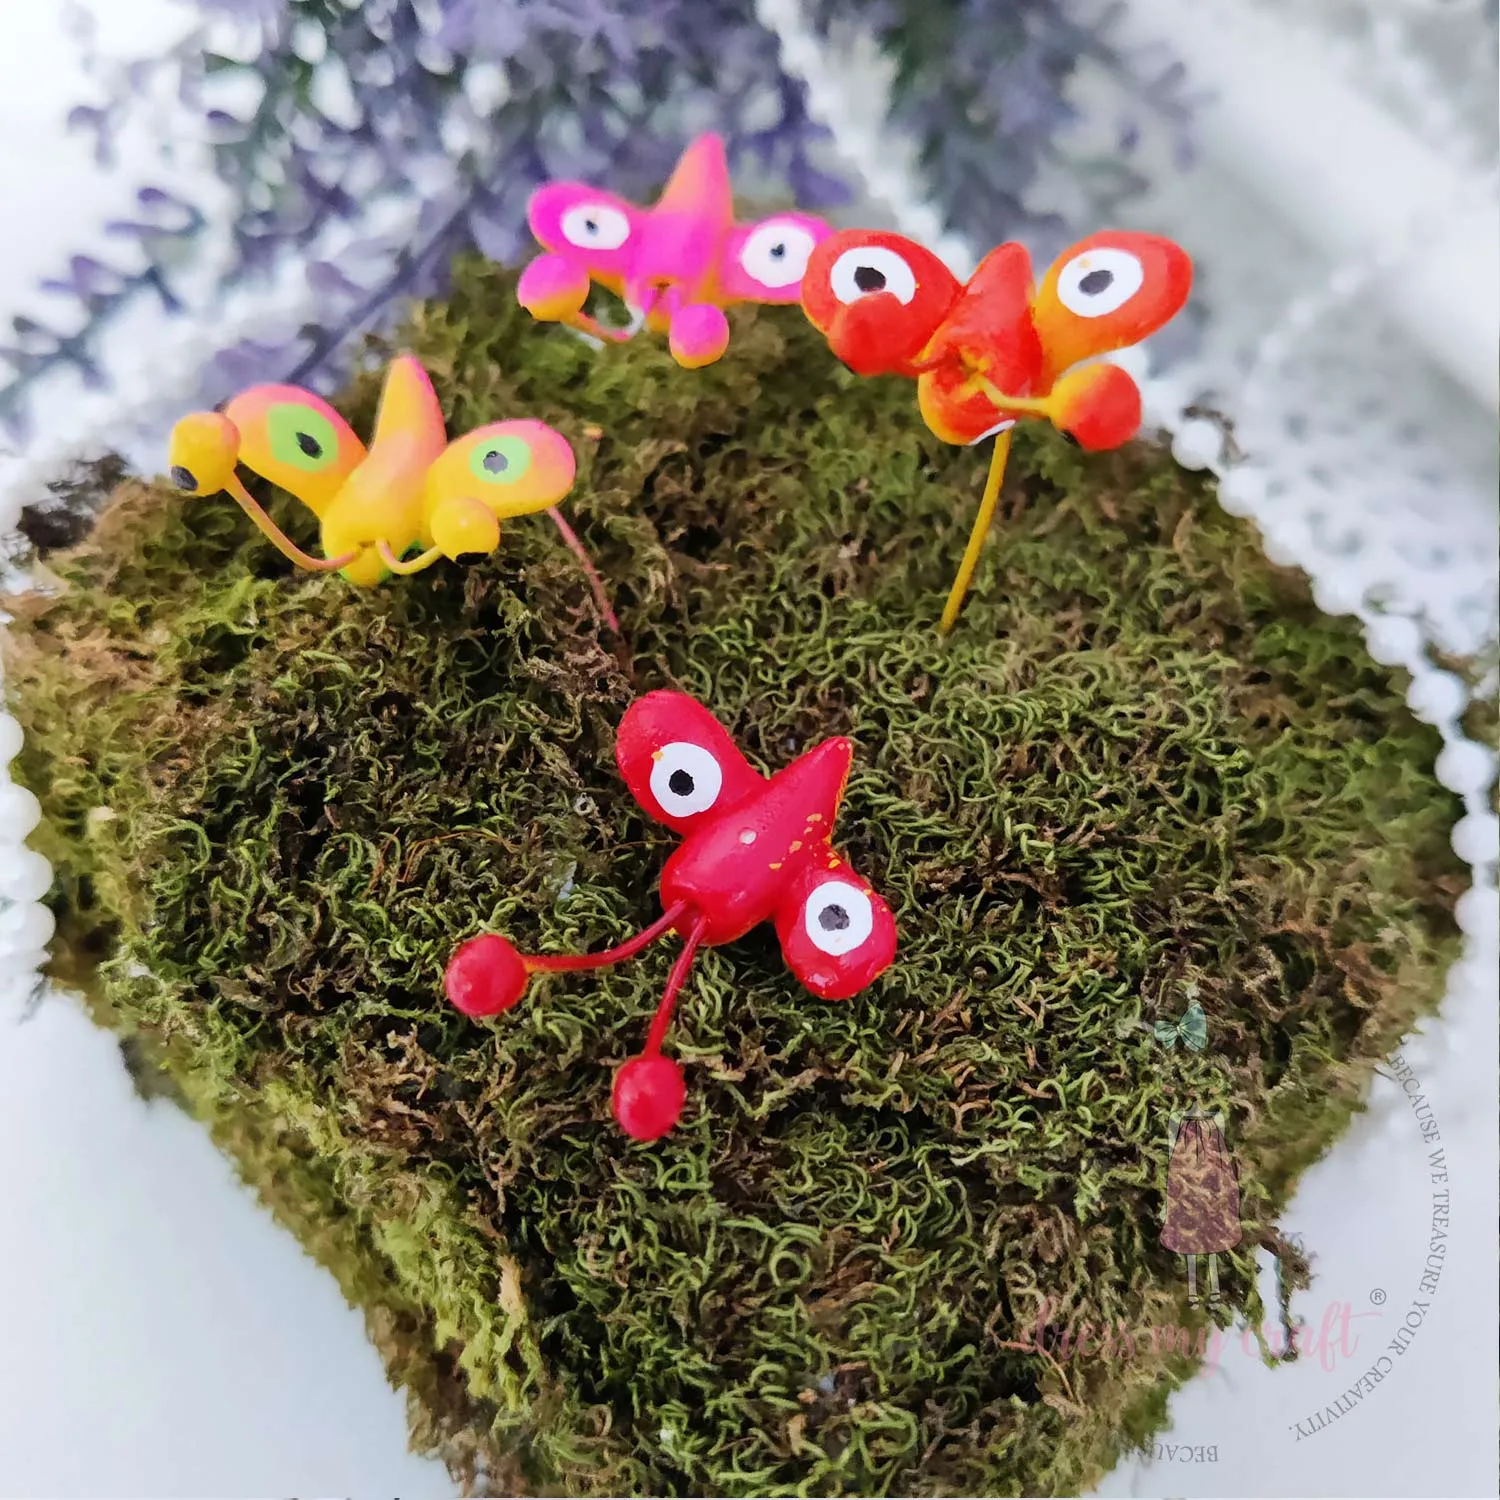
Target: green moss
[[1145, 760]]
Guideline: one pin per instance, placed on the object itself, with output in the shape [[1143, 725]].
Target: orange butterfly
[[997, 348]]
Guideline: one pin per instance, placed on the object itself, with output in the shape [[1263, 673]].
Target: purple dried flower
[[327, 280], [265, 13], [981, 87], [90, 281], [242, 364], [100, 124]]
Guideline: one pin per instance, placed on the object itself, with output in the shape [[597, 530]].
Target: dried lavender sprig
[[983, 88], [103, 292], [585, 88]]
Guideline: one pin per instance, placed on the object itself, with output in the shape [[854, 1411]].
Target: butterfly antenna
[[278, 538], [675, 981], [583, 323], [982, 522], [486, 975], [649, 1090], [410, 565], [558, 963], [596, 583]]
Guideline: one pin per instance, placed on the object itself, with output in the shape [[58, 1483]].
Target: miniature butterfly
[[1191, 1029], [677, 265], [996, 348], [754, 849], [411, 487]]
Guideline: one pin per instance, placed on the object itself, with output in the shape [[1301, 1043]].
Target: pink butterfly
[[754, 849], [676, 265]]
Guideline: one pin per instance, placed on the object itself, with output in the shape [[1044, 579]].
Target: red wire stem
[[556, 963], [675, 980], [601, 598]]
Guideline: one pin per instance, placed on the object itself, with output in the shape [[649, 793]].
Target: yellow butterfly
[[410, 488]]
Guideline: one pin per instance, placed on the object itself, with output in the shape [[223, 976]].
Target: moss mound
[[1144, 762]]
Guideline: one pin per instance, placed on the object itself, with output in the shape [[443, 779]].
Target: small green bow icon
[[1191, 1030]]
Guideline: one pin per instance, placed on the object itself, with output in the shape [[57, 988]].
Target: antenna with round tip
[[487, 975]]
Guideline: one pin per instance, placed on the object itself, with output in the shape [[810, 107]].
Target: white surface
[[1367, 1211], [1343, 173], [172, 1341], [162, 1335]]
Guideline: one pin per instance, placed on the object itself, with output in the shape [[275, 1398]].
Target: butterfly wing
[[1194, 1027], [766, 261], [1106, 292], [836, 932], [514, 467], [594, 228], [486, 476], [679, 761], [877, 297], [988, 328], [297, 440], [409, 420]]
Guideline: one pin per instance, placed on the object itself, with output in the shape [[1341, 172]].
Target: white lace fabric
[[1357, 457]]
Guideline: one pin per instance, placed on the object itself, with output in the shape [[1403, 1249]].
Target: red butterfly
[[996, 348], [754, 849]]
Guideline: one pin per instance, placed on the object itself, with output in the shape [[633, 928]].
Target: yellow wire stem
[[278, 538], [409, 566], [1035, 406], [981, 529]]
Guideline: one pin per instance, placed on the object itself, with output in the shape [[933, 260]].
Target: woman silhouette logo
[[1203, 1197]]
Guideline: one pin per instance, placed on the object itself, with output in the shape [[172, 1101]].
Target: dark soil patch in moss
[[1144, 761]]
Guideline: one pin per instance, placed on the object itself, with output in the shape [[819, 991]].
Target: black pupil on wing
[[309, 445], [183, 478], [495, 462], [868, 279], [681, 783], [833, 918], [778, 251], [591, 225], [1096, 282]]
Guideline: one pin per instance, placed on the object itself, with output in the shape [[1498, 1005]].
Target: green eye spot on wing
[[502, 460], [301, 437]]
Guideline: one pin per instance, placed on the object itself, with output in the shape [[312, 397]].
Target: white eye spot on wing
[[775, 253], [868, 269], [595, 226], [1099, 282], [685, 779], [838, 917]]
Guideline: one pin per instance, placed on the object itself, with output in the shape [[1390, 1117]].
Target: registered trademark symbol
[[1377, 1296]]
